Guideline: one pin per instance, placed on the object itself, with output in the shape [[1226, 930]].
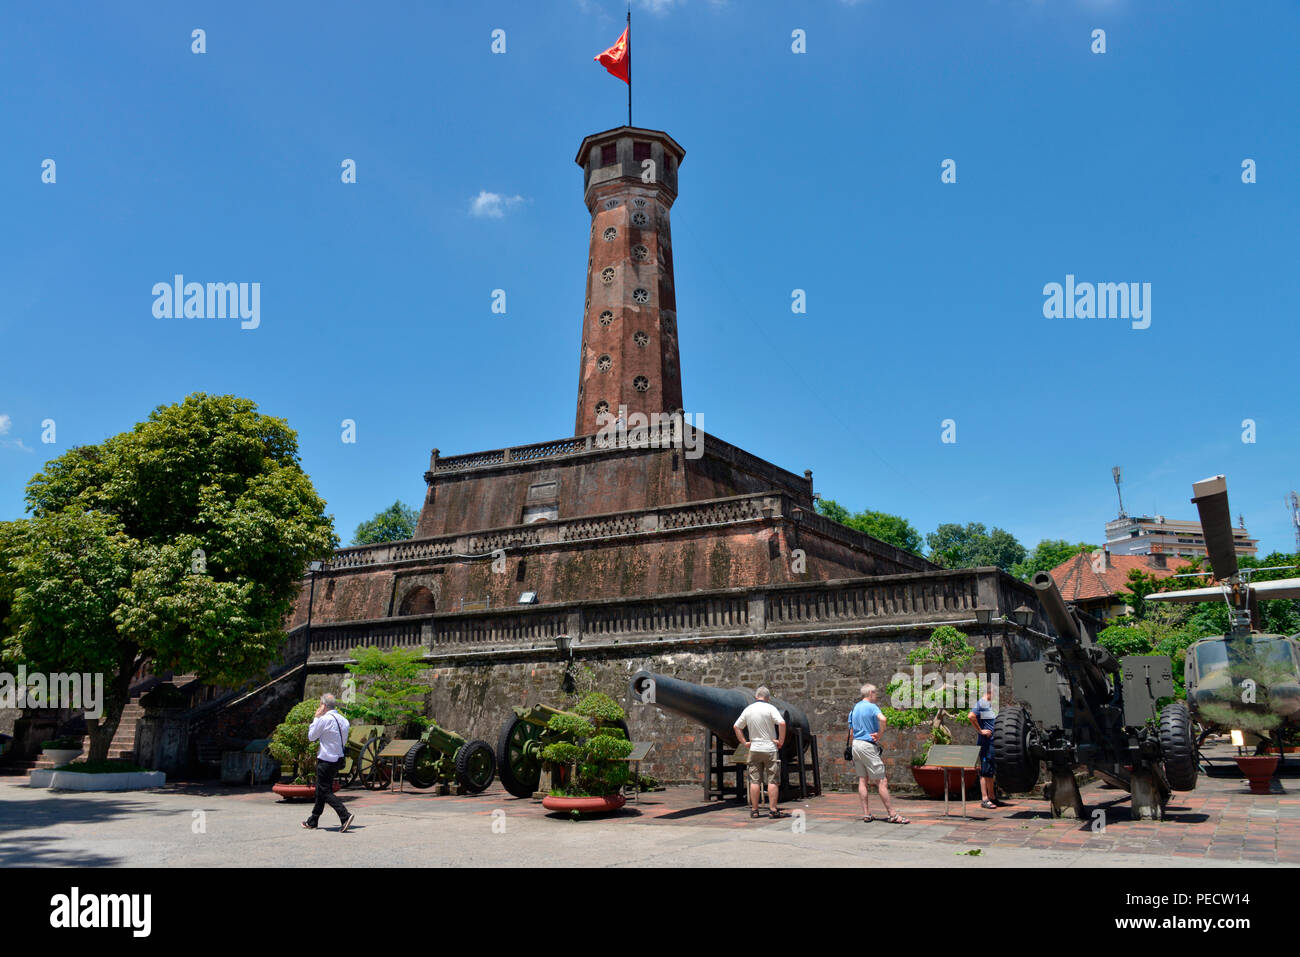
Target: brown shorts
[[761, 765]]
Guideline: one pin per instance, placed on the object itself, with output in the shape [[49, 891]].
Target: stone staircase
[[122, 747]]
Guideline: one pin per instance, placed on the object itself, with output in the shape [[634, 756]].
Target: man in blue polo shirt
[[982, 716], [865, 725]]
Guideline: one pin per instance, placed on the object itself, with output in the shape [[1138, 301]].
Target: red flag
[[618, 58]]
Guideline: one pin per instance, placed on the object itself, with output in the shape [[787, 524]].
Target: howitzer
[[442, 756], [715, 708], [1079, 707], [519, 748]]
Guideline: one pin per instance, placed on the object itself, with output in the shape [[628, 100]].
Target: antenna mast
[[1116, 474], [1293, 506]]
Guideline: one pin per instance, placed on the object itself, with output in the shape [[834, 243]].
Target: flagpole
[[629, 64]]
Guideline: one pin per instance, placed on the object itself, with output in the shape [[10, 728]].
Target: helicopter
[[1246, 680]]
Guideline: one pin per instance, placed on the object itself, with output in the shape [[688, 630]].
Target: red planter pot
[[930, 780], [298, 792], [1259, 772], [586, 805]]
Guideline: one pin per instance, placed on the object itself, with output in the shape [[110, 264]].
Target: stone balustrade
[[919, 600]]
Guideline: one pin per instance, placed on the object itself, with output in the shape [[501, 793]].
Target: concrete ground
[[212, 825]]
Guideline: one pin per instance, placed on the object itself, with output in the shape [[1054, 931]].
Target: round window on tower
[[602, 407], [609, 234], [641, 384], [640, 295], [640, 253], [606, 317], [604, 363], [639, 218], [640, 338], [607, 275], [639, 203], [611, 203]]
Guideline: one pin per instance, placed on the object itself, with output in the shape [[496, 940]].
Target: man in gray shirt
[[765, 743]]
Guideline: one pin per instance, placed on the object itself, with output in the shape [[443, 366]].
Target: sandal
[[777, 814], [868, 819], [988, 804], [754, 814], [898, 819]]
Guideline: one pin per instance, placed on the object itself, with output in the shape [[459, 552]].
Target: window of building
[[640, 151], [609, 154]]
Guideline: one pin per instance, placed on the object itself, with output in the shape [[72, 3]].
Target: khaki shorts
[[866, 760], [761, 765]]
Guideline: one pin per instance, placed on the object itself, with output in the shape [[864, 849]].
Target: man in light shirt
[[866, 722], [331, 729], [762, 720]]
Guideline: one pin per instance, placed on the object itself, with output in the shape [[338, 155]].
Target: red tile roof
[[1079, 579]]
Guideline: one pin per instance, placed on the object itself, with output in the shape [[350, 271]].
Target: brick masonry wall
[[822, 676], [748, 554]]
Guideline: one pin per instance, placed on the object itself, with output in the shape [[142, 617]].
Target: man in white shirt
[[765, 742], [331, 729]]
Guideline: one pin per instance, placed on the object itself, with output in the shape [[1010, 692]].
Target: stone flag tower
[[629, 352]]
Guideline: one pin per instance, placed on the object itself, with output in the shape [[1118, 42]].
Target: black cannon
[[717, 709], [1080, 707]]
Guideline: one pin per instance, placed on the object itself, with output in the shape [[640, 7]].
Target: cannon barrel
[[1054, 605], [715, 708]]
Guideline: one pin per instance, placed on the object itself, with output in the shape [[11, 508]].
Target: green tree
[[180, 543], [893, 529], [1046, 555], [394, 524], [387, 687], [972, 546]]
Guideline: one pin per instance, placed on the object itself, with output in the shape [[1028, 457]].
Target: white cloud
[[5, 423], [493, 205]]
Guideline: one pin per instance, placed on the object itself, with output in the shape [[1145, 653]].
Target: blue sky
[[818, 171]]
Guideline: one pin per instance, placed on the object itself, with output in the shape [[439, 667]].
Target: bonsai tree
[[915, 703], [1245, 704], [289, 744], [591, 745], [386, 689]]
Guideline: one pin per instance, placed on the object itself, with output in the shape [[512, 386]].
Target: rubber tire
[[410, 767], [1015, 771], [463, 756], [519, 788], [1177, 747]]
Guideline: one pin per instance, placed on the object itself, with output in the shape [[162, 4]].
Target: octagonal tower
[[629, 351]]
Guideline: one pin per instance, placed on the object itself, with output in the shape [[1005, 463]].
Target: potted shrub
[[917, 704], [589, 753], [289, 746], [61, 750]]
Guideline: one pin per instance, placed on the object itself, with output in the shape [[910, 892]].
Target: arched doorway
[[417, 601]]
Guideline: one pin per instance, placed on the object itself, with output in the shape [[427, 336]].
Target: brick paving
[[1221, 821]]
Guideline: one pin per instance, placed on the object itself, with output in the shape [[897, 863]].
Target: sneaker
[[309, 825], [347, 824]]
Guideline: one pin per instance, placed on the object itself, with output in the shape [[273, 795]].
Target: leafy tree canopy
[[394, 524], [972, 545], [1046, 555], [894, 529], [180, 542]]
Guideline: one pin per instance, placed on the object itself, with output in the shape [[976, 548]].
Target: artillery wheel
[[520, 773], [1177, 746], [374, 774], [1015, 771], [476, 766], [419, 767]]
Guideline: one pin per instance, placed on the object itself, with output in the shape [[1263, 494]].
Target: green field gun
[[443, 756], [520, 746]]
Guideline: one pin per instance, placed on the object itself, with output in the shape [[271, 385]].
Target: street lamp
[[1023, 615], [313, 568], [985, 617], [565, 645]]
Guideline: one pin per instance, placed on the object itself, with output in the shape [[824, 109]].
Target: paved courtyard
[[212, 825]]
